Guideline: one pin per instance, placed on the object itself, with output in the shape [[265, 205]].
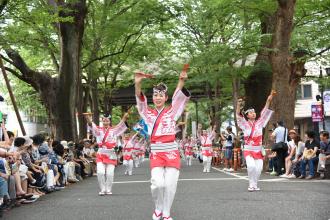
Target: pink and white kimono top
[[162, 124], [206, 142], [188, 147], [107, 140], [128, 149], [253, 133]]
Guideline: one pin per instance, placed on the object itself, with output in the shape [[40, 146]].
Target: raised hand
[[183, 74], [140, 75]]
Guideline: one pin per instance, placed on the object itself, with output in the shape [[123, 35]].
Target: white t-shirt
[[279, 134]]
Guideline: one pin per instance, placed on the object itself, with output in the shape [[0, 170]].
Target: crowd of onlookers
[[292, 157], [31, 167]]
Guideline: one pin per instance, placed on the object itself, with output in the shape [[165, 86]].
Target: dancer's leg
[[100, 170], [252, 170], [157, 188], [171, 180], [110, 169]]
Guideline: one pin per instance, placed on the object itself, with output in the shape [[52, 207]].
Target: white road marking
[[231, 174], [282, 180], [180, 180]]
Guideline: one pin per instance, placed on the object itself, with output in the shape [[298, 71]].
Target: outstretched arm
[[139, 76], [183, 77], [269, 99], [238, 106]]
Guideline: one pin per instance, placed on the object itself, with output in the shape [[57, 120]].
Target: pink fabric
[[165, 159], [256, 138], [162, 130]]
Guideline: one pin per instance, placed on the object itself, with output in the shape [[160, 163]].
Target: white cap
[[28, 140], [65, 144]]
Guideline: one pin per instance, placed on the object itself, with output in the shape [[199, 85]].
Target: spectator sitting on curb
[[324, 156]]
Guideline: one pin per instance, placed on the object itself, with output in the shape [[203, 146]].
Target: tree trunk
[[285, 78], [62, 96], [258, 84], [95, 101], [69, 93]]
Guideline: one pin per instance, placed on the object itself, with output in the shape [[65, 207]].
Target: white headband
[[249, 110], [158, 91]]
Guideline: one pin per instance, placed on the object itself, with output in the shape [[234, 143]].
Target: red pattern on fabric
[[165, 159], [105, 159]]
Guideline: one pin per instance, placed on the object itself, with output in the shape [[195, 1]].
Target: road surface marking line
[[231, 174], [180, 180]]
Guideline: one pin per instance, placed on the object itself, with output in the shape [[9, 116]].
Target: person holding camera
[[280, 148]]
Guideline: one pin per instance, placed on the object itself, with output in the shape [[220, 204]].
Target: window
[[307, 91], [304, 91]]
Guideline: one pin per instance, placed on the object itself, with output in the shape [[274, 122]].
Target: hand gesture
[[271, 96], [183, 74], [125, 117], [139, 76]]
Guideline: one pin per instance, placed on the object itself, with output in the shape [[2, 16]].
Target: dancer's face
[[106, 122], [251, 115], [159, 99]]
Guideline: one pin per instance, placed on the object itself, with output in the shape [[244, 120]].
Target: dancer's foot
[[108, 193], [204, 171], [101, 193], [157, 216], [167, 218], [251, 189], [256, 189]]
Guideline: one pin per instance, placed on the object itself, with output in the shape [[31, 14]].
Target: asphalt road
[[215, 195]]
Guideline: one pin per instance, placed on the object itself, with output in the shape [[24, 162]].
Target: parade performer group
[[158, 126], [165, 156], [106, 158], [252, 129]]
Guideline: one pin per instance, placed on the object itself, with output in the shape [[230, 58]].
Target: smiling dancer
[[165, 156], [106, 158], [252, 130]]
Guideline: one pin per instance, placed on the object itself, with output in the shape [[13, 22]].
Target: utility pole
[[12, 97]]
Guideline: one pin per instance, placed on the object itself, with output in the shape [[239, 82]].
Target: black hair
[[311, 134], [79, 146], [161, 87], [297, 139], [59, 149], [38, 139], [280, 123], [325, 134], [10, 134], [55, 143], [19, 142], [229, 129]]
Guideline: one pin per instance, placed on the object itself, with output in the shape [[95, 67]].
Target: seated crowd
[[33, 167], [298, 156]]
